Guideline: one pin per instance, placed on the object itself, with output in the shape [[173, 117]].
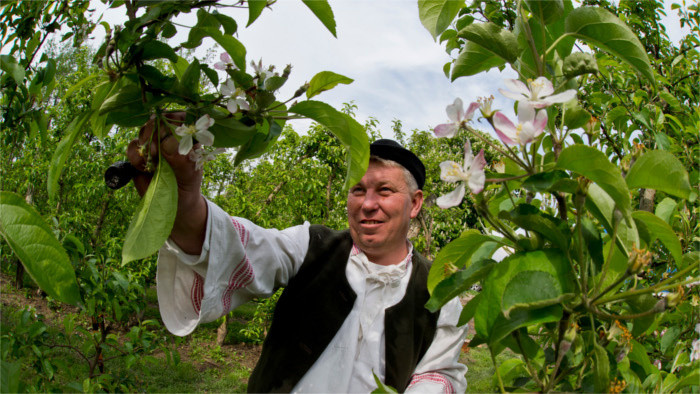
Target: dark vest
[[314, 306]]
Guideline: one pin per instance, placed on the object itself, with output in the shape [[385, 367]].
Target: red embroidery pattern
[[197, 292], [355, 250], [242, 232], [241, 277], [433, 378]]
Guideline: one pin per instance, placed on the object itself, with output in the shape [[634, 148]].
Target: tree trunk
[[646, 200], [19, 275], [221, 332], [328, 194], [101, 220]]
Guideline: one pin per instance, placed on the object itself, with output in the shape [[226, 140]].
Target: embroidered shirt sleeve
[[239, 261], [440, 370]]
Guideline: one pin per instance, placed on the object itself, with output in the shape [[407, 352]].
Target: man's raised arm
[[190, 223]]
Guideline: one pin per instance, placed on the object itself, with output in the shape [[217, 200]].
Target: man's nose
[[370, 203]]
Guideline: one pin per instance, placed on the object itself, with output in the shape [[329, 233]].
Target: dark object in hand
[[119, 174]]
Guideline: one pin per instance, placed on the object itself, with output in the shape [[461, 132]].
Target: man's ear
[[416, 203]]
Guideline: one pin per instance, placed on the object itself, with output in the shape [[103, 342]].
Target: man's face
[[380, 208]]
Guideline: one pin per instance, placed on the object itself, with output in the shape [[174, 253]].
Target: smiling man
[[353, 303]]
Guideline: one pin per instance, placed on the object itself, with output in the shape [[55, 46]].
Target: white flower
[[529, 126], [695, 350], [538, 94], [225, 62], [471, 173], [485, 104], [697, 328], [237, 96], [260, 71], [200, 131], [200, 156], [455, 113]]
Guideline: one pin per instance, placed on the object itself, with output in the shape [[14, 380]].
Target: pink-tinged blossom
[[695, 350], [457, 116], [200, 156], [225, 62], [237, 96], [530, 125], [471, 173], [200, 131], [538, 93]]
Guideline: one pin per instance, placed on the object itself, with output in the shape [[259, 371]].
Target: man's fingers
[[133, 153]]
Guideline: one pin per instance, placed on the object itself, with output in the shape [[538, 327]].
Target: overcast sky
[[395, 64]]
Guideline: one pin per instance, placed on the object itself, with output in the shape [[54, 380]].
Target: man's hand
[[190, 223]]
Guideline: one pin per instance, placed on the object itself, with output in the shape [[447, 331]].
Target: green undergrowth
[[200, 365]]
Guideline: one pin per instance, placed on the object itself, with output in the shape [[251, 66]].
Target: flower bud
[[638, 260], [673, 299], [287, 70], [301, 90]]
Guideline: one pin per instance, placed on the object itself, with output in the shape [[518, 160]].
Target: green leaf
[[259, 143], [594, 243], [602, 29], [228, 132], [530, 218], [41, 254], [665, 209], [601, 368], [10, 374], [126, 99], [230, 44], [491, 37], [457, 253], [544, 181], [660, 170], [489, 320], [79, 84], [671, 100], [600, 205], [531, 290], [350, 133], [154, 49], [436, 15], [458, 283], [381, 387], [657, 228], [188, 85], [594, 165], [12, 68], [151, 225], [228, 23], [469, 310], [323, 12], [473, 60], [325, 80], [546, 10], [255, 8], [574, 115], [63, 150]]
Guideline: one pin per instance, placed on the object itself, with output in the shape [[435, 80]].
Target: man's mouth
[[370, 222]]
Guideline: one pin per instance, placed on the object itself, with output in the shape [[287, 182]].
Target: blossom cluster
[[532, 99]]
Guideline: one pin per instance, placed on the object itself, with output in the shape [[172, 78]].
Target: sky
[[394, 61]]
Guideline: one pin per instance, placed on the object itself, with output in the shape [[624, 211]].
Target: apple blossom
[[530, 125], [485, 106], [201, 155], [455, 113], [237, 96], [471, 173], [538, 93], [200, 131], [225, 62]]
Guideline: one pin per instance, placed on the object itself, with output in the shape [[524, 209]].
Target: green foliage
[[574, 297]]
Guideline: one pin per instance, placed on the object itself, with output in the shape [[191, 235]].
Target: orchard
[[568, 222]]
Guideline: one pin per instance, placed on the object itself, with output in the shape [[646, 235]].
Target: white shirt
[[241, 261]]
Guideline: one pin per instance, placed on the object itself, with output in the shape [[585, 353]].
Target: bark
[[646, 200], [328, 194], [221, 332], [101, 220]]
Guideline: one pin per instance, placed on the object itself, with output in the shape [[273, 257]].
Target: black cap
[[392, 150]]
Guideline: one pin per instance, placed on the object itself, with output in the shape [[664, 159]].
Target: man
[[353, 304]]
